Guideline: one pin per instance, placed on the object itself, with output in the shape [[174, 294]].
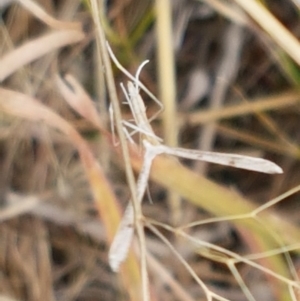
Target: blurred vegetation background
[[227, 73]]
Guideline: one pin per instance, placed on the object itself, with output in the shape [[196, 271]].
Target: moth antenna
[[130, 76]]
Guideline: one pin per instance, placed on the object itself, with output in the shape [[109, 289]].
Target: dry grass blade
[[229, 11], [40, 13], [162, 272], [78, 99], [273, 27], [34, 49], [167, 87], [23, 106], [19, 205], [258, 141], [136, 281], [257, 105]]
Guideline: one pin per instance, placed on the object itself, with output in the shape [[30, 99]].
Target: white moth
[[153, 147]]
